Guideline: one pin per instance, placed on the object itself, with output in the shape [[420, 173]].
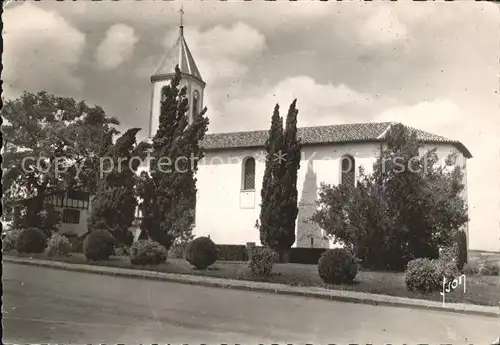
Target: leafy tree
[[408, 208], [279, 188], [114, 205], [47, 140], [168, 193]]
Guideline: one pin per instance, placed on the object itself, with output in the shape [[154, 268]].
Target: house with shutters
[[74, 207]]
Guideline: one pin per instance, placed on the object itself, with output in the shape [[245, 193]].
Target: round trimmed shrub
[[201, 252], [424, 275], [262, 262], [31, 240], [147, 252], [58, 245], [10, 240], [337, 266], [98, 245]]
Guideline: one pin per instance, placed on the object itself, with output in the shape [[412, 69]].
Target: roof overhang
[[460, 147], [169, 76]]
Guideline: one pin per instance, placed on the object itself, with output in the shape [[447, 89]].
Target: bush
[[58, 245], [424, 275], [262, 261], [446, 269], [337, 266], [147, 252], [10, 240], [490, 269], [98, 245], [73, 239], [122, 251], [178, 249], [470, 270], [449, 253], [31, 240], [201, 252]]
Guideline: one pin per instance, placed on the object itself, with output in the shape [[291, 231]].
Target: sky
[[433, 66]]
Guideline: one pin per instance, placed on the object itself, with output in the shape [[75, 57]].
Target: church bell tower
[[190, 78]]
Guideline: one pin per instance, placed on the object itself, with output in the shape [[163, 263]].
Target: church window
[[249, 174], [347, 177], [196, 97]]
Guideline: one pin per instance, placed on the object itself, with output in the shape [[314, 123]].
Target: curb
[[310, 292]]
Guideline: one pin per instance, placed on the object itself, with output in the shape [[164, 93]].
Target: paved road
[[44, 305]]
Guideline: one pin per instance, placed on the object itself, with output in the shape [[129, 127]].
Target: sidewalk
[[311, 292]]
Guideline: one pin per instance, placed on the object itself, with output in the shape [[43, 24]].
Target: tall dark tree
[[279, 188], [408, 208], [115, 202], [49, 143], [270, 192], [292, 151], [169, 193]]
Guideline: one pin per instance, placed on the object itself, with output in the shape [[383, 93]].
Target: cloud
[[382, 27], [427, 115], [117, 47], [221, 52], [317, 103], [41, 52]]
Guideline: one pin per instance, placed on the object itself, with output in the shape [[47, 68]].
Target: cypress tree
[[279, 188], [289, 179], [270, 184], [169, 193], [113, 207]]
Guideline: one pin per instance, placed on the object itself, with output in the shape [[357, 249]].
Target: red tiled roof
[[346, 133]]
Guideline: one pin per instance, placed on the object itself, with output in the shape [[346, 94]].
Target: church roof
[[333, 134], [179, 55]]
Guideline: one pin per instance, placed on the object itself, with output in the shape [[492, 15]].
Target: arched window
[[196, 97], [348, 168], [249, 174]]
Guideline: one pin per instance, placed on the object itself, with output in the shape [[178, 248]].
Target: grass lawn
[[482, 290]]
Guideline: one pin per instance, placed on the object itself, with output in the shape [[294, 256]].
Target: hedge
[[307, 256], [232, 252], [238, 252]]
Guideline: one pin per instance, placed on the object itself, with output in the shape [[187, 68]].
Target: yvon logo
[[451, 285]]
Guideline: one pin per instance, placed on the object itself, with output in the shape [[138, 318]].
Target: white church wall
[[225, 213]]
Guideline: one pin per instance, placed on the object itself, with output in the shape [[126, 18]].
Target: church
[[229, 178]]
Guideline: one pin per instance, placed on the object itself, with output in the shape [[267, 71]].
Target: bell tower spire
[[180, 55]]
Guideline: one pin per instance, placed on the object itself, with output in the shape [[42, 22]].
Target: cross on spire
[[181, 11]]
